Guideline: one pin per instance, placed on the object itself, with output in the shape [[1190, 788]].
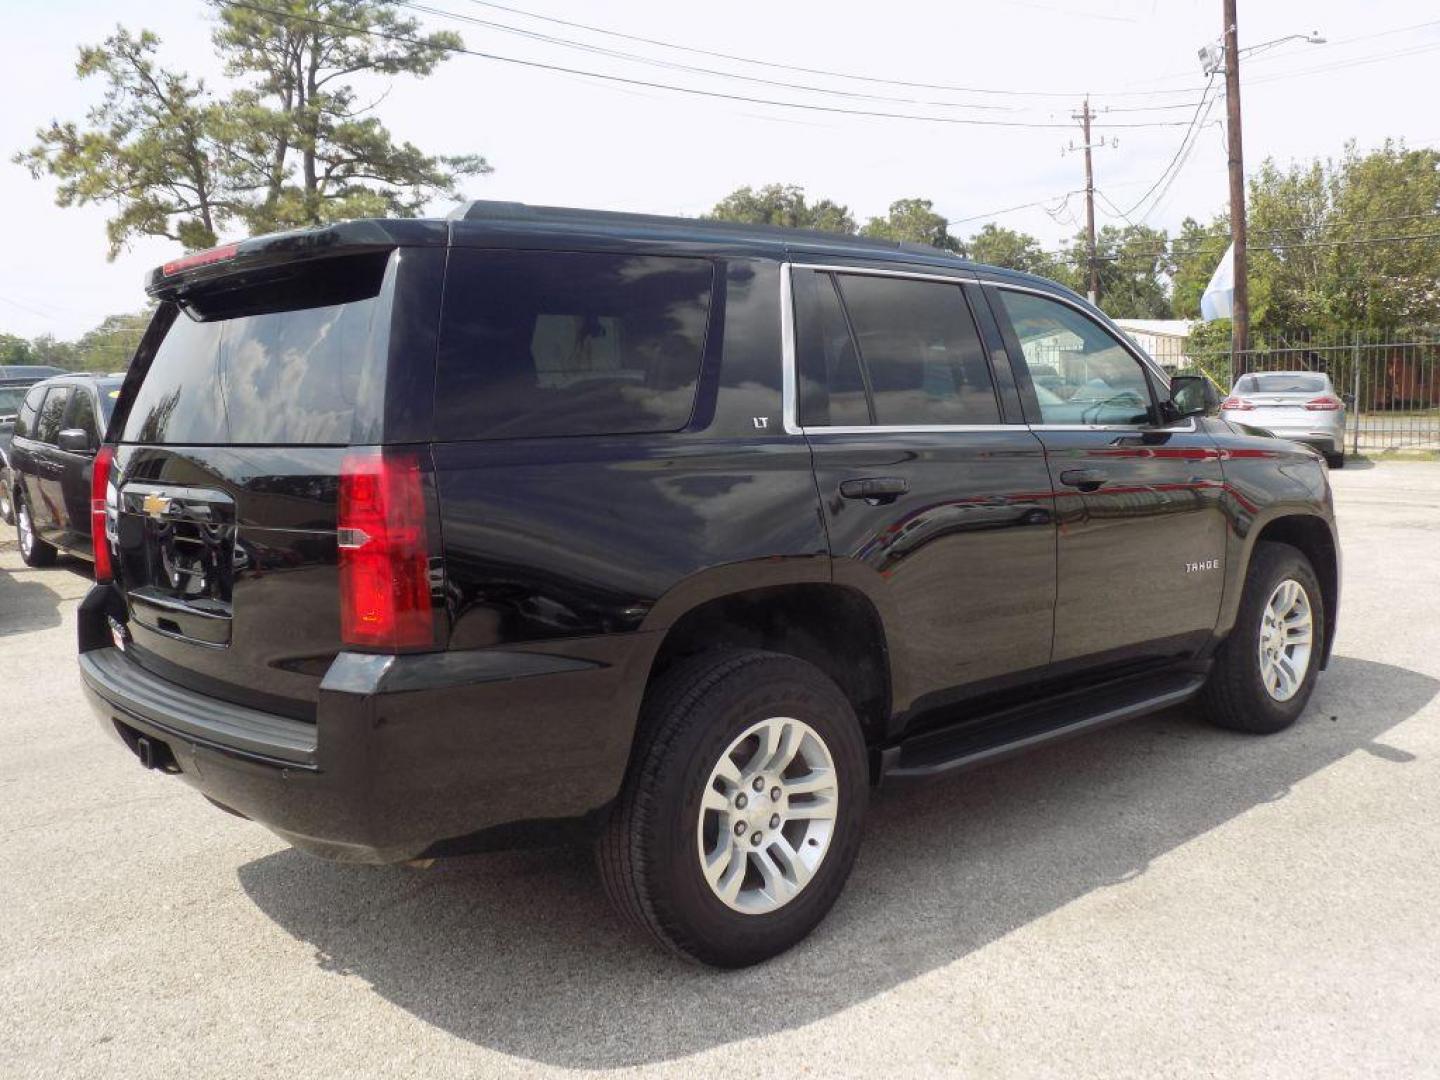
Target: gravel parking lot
[[1156, 899]]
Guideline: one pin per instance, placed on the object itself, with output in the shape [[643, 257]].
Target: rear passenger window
[[832, 390], [567, 343], [921, 351], [82, 416], [47, 426], [25, 422]]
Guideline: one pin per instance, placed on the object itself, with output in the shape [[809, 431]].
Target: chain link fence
[[1390, 383]]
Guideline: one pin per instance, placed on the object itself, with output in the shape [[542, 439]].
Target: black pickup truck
[[416, 538]]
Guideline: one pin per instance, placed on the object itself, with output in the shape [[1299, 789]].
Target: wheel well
[[832, 627], [1312, 537]]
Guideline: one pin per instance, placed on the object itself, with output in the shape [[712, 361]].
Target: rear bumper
[[410, 756], [1326, 438]]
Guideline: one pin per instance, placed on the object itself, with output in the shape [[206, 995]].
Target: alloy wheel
[[1287, 631], [26, 529], [767, 815]]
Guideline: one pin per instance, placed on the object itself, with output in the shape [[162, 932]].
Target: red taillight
[[1323, 404], [1234, 403], [200, 258], [99, 481], [384, 553]]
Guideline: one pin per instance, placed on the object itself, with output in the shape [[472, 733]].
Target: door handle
[[885, 488], [1084, 479]]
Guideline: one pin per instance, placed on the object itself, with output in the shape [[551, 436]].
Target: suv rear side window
[[25, 422], [567, 343], [82, 416], [301, 361], [47, 426], [920, 360]]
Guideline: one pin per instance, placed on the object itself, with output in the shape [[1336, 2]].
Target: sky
[[565, 139]]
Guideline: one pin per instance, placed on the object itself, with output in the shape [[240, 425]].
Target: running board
[[978, 742]]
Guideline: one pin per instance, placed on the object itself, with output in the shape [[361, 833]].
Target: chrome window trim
[[789, 380], [789, 377], [901, 429]]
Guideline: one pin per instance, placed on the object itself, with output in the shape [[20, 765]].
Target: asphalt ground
[[1156, 899]]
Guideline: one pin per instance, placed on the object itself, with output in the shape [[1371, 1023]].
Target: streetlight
[[1225, 54]]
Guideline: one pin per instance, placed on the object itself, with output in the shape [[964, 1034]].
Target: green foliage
[[1195, 253], [107, 347], [291, 146], [152, 148], [912, 221], [784, 205], [1134, 264], [300, 138], [996, 245], [1333, 274], [15, 350]]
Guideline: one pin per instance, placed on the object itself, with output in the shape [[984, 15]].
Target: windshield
[[109, 392], [1281, 382], [10, 399]]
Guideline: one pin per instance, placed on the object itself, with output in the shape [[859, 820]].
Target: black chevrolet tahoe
[[423, 537]]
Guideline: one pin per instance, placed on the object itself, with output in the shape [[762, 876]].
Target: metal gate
[[1390, 383]]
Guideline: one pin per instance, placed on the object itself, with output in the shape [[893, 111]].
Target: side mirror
[[74, 441], [1193, 395]]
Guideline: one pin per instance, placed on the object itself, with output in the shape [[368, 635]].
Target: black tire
[[1235, 696], [35, 552], [647, 852], [1335, 461]]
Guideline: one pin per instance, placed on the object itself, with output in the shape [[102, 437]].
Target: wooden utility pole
[[1240, 304], [1084, 116]]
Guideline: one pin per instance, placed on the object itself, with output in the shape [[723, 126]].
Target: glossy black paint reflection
[[279, 598], [961, 567]]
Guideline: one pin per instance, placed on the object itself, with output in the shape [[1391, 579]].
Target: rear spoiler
[[192, 273]]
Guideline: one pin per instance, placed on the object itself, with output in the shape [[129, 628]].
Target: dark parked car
[[15, 381], [56, 434], [417, 538], [12, 395]]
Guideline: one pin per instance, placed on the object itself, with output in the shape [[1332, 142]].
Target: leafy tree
[[913, 221], [784, 205], [1195, 252], [153, 148], [999, 246], [292, 146], [1134, 266], [46, 350], [1287, 207], [109, 346], [301, 139], [15, 350], [1390, 284]]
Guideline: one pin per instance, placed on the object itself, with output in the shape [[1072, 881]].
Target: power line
[[673, 66], [1191, 128], [812, 71], [965, 121], [1071, 254]]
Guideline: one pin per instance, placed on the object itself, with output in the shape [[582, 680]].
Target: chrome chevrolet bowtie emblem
[[156, 506]]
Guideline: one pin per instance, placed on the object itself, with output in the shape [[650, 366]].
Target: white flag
[[1218, 300]]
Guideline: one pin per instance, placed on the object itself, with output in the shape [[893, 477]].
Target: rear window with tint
[[11, 398], [299, 362], [29, 410], [1280, 383], [568, 343], [47, 426]]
